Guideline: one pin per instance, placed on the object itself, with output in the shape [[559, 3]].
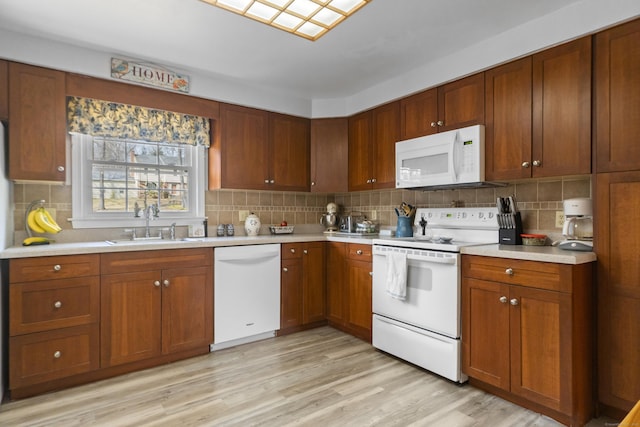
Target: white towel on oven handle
[[397, 274]]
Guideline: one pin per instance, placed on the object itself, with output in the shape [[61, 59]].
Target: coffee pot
[[330, 218], [578, 225]]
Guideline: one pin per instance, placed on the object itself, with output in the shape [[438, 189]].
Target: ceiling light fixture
[[310, 19]]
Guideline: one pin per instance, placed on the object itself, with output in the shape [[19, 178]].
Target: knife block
[[512, 235]]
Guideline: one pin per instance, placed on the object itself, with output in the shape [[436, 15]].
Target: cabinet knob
[[60, 168], [305, 252], [166, 283], [285, 269], [57, 304], [373, 180], [57, 267], [537, 163], [313, 183], [156, 283], [272, 181], [503, 299], [509, 271], [293, 251], [57, 354], [371, 273], [368, 181], [513, 301], [525, 164], [359, 252], [266, 181], [440, 123], [433, 124]]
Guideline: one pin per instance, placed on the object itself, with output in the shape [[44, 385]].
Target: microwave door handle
[[452, 162]]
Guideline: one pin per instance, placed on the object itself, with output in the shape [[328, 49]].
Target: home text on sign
[[147, 74]]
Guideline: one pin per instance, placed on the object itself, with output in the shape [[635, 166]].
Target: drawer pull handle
[[57, 267], [285, 269], [503, 299], [513, 301], [359, 252], [156, 283], [57, 355], [57, 304], [509, 271], [166, 283]]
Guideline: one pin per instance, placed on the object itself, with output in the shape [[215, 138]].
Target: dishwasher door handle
[[252, 260]]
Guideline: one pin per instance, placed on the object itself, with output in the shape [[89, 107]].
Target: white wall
[[577, 19]]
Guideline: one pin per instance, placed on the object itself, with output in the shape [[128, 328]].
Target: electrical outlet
[[559, 219], [242, 215]]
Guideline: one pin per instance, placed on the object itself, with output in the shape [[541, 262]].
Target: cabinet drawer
[[534, 274], [291, 250], [46, 356], [54, 267], [42, 306], [359, 252], [127, 262]]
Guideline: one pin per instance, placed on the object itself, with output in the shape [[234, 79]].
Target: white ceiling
[[374, 45]]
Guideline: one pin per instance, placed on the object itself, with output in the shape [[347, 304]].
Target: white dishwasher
[[246, 294]]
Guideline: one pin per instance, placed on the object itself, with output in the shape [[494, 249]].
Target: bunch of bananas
[[41, 221]]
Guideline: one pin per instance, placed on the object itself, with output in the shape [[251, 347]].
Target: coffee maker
[[330, 218], [578, 225]]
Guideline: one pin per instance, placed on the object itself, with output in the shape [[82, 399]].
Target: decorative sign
[[148, 74]]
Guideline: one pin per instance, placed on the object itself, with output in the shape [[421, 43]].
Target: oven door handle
[[448, 260]]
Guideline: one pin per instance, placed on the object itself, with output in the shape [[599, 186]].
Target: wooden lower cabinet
[[349, 268], [164, 307], [54, 313], [303, 289], [527, 334]]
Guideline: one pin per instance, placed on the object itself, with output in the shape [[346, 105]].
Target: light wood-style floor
[[320, 377]]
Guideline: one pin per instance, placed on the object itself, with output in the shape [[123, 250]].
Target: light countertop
[[531, 253]]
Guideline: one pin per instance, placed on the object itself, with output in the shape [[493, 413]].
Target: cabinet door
[[291, 293], [359, 313], [562, 110], [37, 123], [541, 346], [313, 285], [386, 132], [336, 281], [509, 118], [419, 114], [617, 247], [130, 317], [617, 98], [360, 152], [485, 331], [244, 147], [289, 156], [187, 308], [461, 103], [4, 90], [329, 155]]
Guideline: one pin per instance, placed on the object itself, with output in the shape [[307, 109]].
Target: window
[[115, 179]]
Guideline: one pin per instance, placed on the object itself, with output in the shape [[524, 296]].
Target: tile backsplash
[[538, 200]]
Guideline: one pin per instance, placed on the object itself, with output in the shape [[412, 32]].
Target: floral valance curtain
[[110, 119]]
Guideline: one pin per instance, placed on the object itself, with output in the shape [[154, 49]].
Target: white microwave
[[452, 158]]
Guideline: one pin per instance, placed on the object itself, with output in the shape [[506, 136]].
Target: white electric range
[[424, 327]]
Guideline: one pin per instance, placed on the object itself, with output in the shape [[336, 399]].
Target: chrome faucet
[[149, 215]]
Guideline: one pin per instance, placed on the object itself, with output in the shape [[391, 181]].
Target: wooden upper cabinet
[[37, 123], [289, 152], [4, 90], [461, 103], [372, 138], [617, 98], [329, 155], [508, 120], [263, 151], [417, 114], [562, 110], [539, 114], [244, 147], [451, 106]]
